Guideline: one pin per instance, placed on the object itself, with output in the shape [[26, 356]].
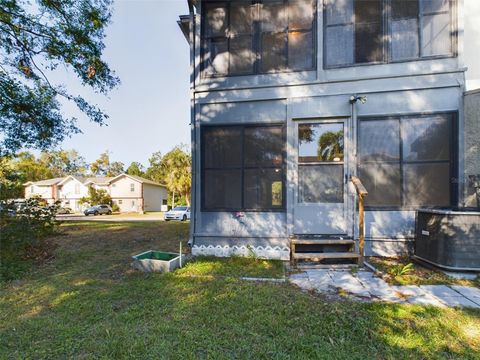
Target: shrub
[[23, 235]]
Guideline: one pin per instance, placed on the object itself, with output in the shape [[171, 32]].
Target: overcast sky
[[150, 111]]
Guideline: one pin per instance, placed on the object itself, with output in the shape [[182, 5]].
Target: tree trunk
[[187, 198], [173, 199]]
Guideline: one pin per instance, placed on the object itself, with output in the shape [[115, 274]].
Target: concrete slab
[[470, 293], [349, 283], [458, 301], [408, 290], [303, 283], [426, 299], [439, 290]]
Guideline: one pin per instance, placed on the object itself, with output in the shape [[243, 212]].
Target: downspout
[[193, 142], [354, 137]]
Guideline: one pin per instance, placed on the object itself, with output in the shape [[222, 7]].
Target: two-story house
[[293, 98], [130, 193]]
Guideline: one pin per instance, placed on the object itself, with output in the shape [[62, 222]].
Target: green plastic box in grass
[[157, 261]]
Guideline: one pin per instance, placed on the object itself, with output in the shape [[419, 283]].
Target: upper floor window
[[77, 189], [379, 31], [132, 187], [253, 37]]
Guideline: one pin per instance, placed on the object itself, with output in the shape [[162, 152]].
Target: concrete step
[[323, 256], [297, 241]]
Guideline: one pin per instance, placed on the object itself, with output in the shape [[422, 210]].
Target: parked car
[[98, 210], [4, 209], [181, 213], [64, 210]]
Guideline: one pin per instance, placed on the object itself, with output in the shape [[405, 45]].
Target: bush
[[23, 235], [115, 207]]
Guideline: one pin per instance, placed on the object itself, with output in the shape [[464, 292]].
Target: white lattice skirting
[[267, 252]]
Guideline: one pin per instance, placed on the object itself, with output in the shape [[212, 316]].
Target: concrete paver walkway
[[364, 285]]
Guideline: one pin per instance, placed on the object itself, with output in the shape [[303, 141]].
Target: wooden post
[[361, 192], [361, 228]]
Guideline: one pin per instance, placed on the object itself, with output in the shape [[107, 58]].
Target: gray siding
[[472, 144], [424, 86]]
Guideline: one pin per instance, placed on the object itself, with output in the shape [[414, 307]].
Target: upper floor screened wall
[[268, 42]]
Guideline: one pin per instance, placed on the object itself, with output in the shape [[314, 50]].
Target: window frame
[[454, 151], [387, 45], [242, 168], [256, 41]]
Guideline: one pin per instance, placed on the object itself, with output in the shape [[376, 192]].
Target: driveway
[[119, 217]]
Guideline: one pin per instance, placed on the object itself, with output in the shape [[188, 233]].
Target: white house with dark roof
[[130, 193]]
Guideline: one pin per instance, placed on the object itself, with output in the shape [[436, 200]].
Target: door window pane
[[427, 184], [223, 189], [222, 147], [382, 181], [426, 138], [264, 146], [263, 188], [379, 140], [320, 183], [320, 142]]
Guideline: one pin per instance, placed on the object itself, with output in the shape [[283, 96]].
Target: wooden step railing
[[362, 193]]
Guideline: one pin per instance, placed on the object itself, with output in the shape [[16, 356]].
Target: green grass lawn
[[89, 303]]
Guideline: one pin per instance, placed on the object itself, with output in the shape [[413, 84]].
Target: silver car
[[181, 213], [98, 210]]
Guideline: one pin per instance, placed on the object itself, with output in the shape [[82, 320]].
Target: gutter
[[193, 202]]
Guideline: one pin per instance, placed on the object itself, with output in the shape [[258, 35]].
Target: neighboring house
[[70, 190], [134, 193], [292, 98], [130, 193], [46, 189]]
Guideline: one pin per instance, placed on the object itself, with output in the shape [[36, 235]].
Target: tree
[[115, 168], [154, 171], [176, 170], [96, 197], [136, 168], [64, 162], [36, 38], [102, 166]]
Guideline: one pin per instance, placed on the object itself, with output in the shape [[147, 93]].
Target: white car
[[181, 213]]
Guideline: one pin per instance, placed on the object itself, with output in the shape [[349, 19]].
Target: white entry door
[[321, 201]]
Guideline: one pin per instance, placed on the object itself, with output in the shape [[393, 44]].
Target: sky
[[150, 110]]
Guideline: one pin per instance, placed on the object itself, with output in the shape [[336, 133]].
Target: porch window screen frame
[[256, 36], [387, 35], [452, 117], [243, 168]]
